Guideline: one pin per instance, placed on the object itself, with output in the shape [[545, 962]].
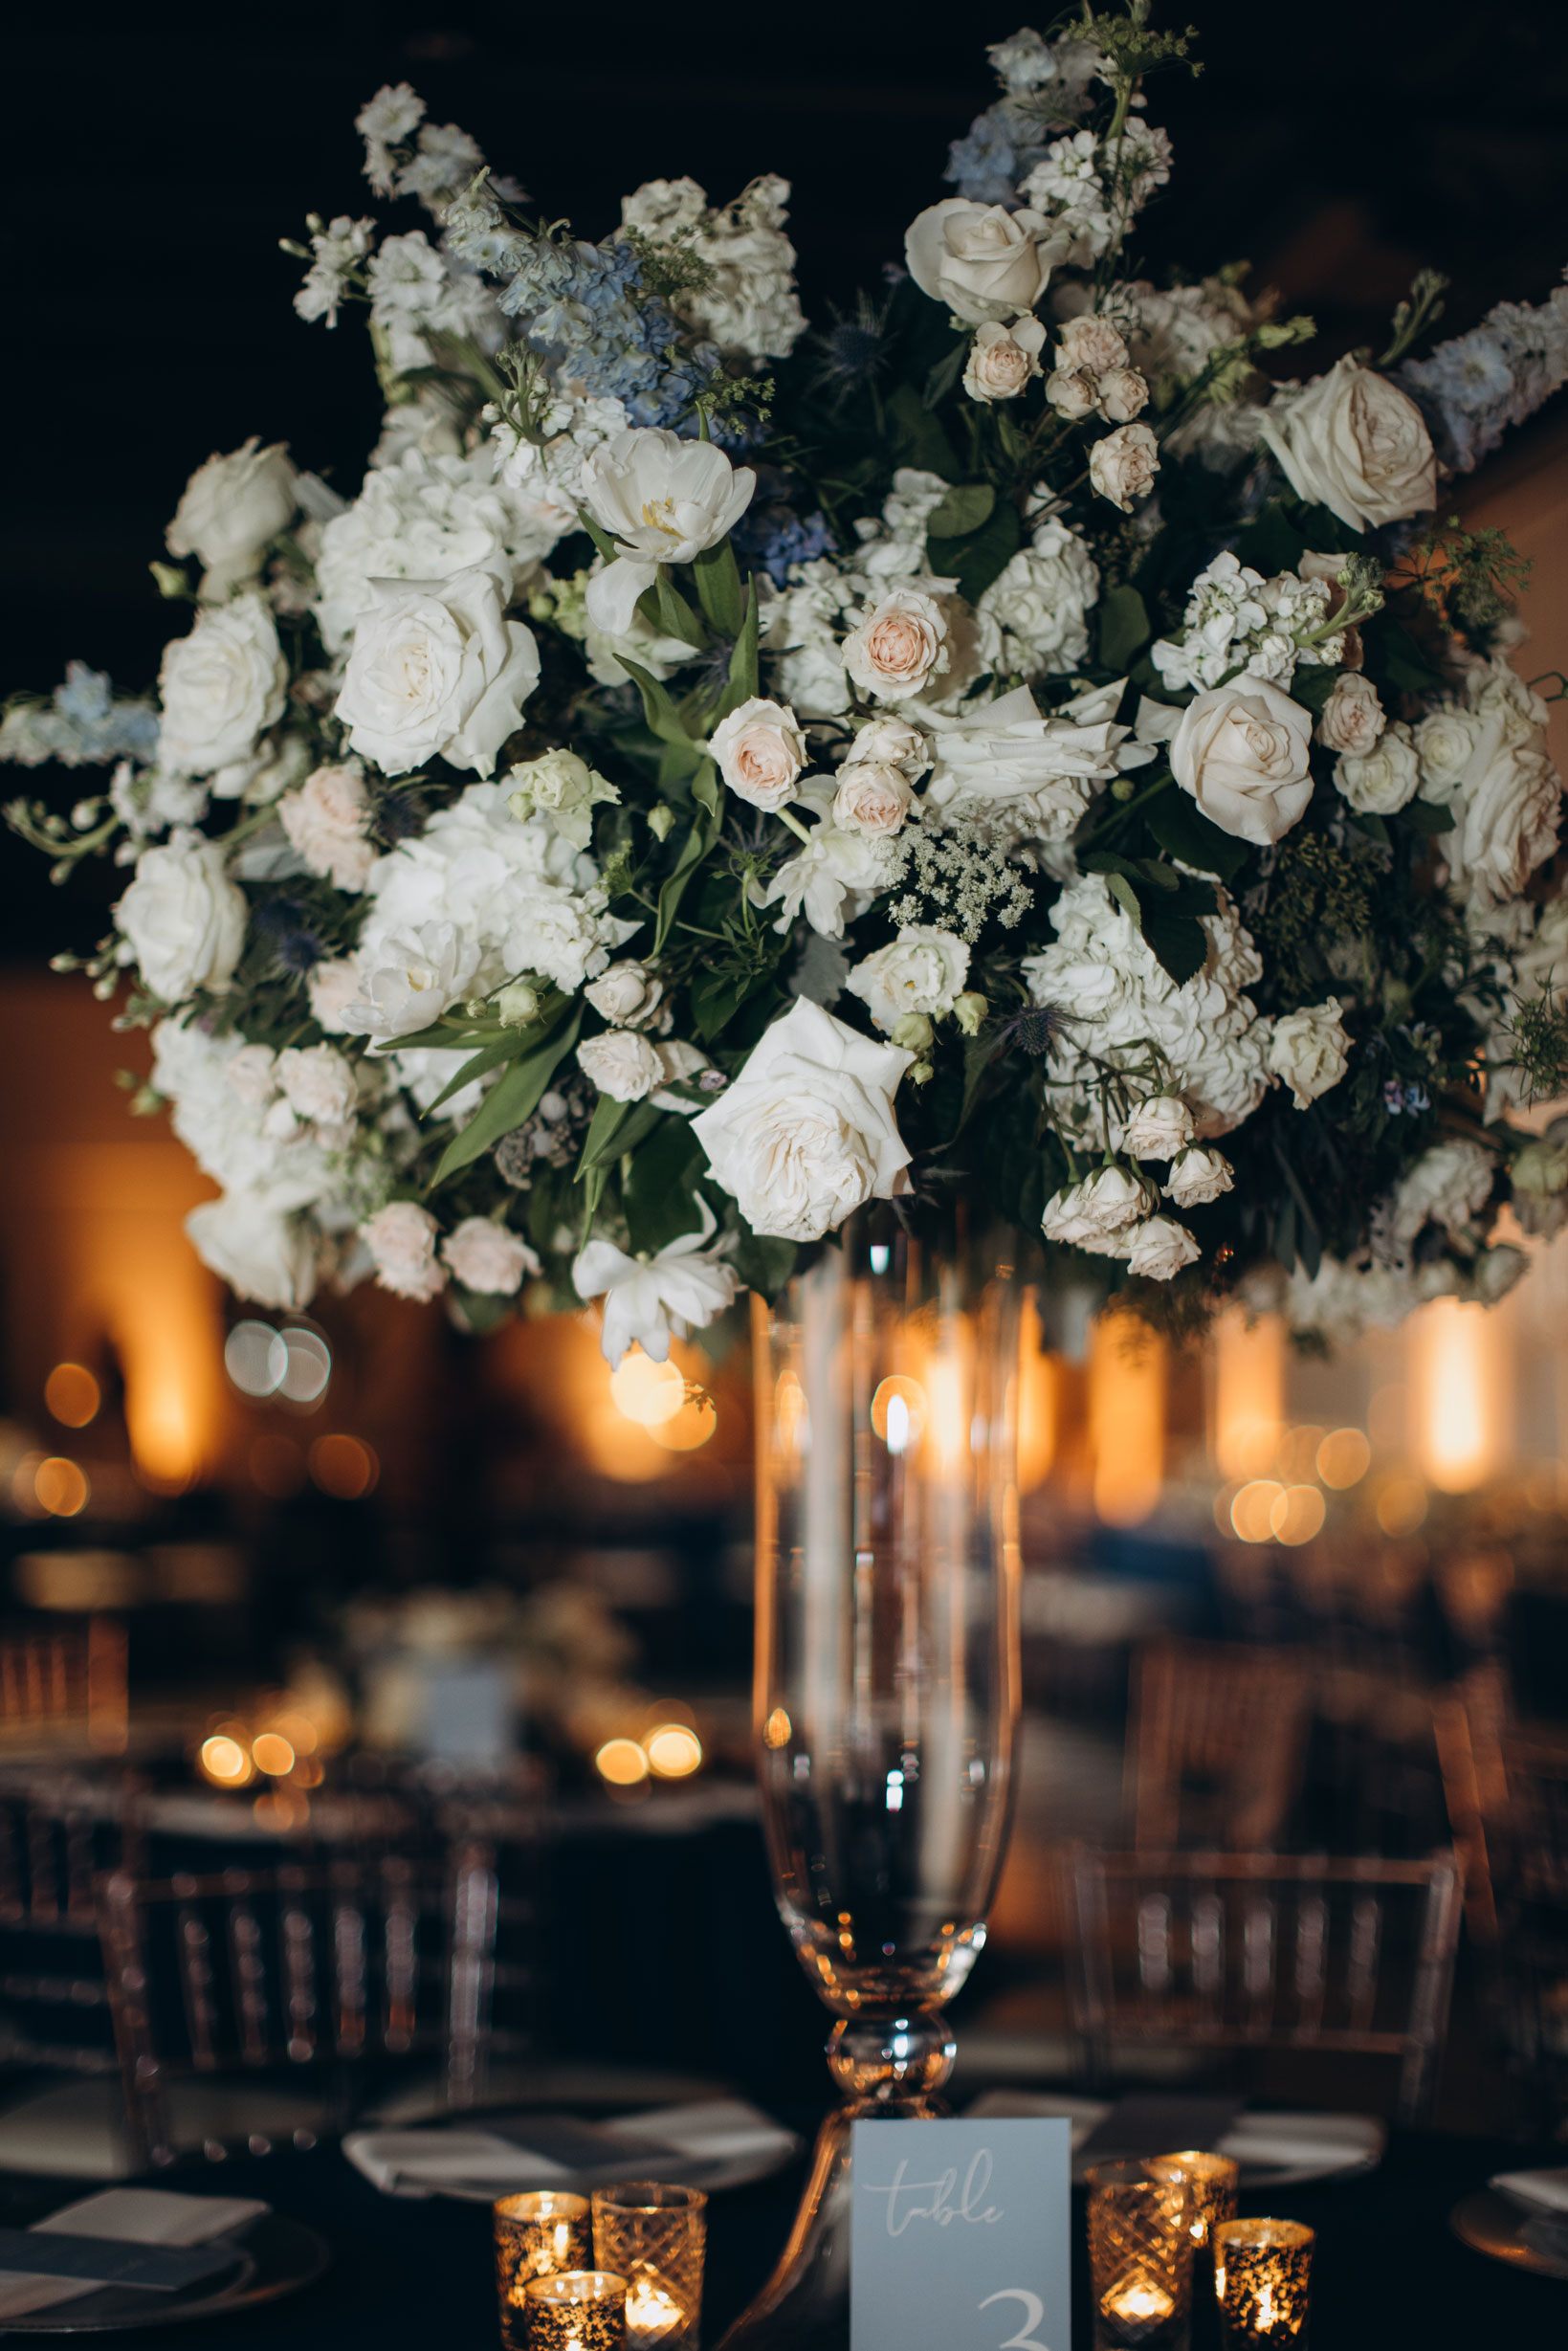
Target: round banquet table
[[415, 2275]]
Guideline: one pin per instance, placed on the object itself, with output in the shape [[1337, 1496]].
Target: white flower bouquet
[[1003, 747]]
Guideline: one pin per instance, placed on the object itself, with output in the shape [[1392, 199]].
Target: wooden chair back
[[1216, 1744], [64, 1685], [58, 1830]]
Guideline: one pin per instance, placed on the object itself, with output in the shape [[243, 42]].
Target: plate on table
[[711, 2144], [1506, 2232], [273, 2256], [1273, 2150]]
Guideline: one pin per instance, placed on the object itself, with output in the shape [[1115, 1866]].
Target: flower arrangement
[[709, 775]]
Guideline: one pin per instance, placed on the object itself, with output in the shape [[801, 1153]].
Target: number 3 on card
[[1034, 2310]]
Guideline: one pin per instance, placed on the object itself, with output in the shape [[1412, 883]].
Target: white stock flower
[[1158, 1128], [924, 970], [1198, 1176], [436, 672], [1039, 601], [627, 994], [759, 752], [229, 511], [1242, 751], [1003, 359], [260, 1244], [1378, 782], [1355, 443], [182, 917], [406, 979], [663, 501], [749, 306], [327, 821], [1310, 1051], [1352, 718], [871, 798], [484, 1257], [317, 1083], [622, 1064], [984, 262], [899, 645], [1123, 465], [681, 1288], [806, 1133], [1097, 1214], [220, 686], [402, 1239]]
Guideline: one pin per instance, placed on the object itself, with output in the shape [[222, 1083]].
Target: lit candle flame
[[650, 2313]]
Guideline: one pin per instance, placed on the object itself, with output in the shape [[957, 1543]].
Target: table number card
[[959, 2236]]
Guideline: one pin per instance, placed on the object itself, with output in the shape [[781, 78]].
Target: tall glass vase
[[886, 1678]]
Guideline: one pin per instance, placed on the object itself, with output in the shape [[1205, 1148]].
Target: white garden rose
[[1198, 1176], [1242, 751], [892, 742], [1310, 1051], [484, 1257], [622, 1064], [1507, 796], [1380, 781], [1445, 741], [327, 821], [1097, 1214], [407, 978], [1120, 395], [402, 1239], [1004, 358], [900, 643], [317, 1083], [871, 798], [1355, 443], [806, 1133], [1090, 345], [924, 970], [182, 917], [260, 1244], [982, 261], [1123, 465], [1071, 393], [220, 686], [229, 511], [436, 672], [759, 752], [679, 1064], [1352, 718], [663, 501], [1157, 1129], [627, 994], [1160, 1248]]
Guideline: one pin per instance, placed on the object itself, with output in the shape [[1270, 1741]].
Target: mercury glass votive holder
[[576, 2310], [1141, 2251], [1214, 2182], [655, 2237], [535, 2234], [1262, 2282]]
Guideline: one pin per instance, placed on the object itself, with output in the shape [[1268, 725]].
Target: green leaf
[[718, 587], [615, 1127], [460, 1037], [489, 1056], [676, 617], [1374, 827], [1126, 896], [978, 1053], [694, 849], [1185, 833], [659, 709], [743, 660], [602, 538], [976, 561], [706, 789], [1400, 657], [1125, 628], [916, 436], [658, 1190], [1422, 816], [1312, 684], [512, 1097], [1163, 877], [942, 377], [763, 1262], [962, 511], [1179, 942], [1110, 862]]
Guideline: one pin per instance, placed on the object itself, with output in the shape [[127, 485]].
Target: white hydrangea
[[546, 477], [1040, 602], [751, 309]]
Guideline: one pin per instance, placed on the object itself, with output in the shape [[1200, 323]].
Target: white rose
[[806, 1133], [260, 1245], [1158, 1128], [1121, 394], [924, 971], [891, 742], [626, 994], [1097, 1214], [1449, 1184], [984, 262], [1071, 393], [1003, 359], [486, 1258], [229, 511], [436, 672], [1198, 1176], [326, 821], [562, 786], [1242, 751], [1508, 800], [407, 978], [318, 1082], [622, 1064], [332, 988], [1445, 743], [679, 1064], [1091, 344], [1310, 1051], [1355, 443], [1352, 718], [220, 686], [759, 752], [871, 798], [1380, 781], [664, 501], [183, 918], [899, 645], [1123, 465], [1160, 1248], [402, 1239]]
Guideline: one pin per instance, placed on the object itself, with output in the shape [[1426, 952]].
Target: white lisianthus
[[900, 643], [220, 686], [1123, 465], [327, 821], [924, 971], [1310, 1051], [1042, 772], [681, 1288], [1198, 1176], [485, 1258], [564, 787], [621, 1064], [982, 261], [182, 917], [1158, 1128], [1242, 751], [317, 1083], [833, 880], [1352, 718], [407, 978], [260, 1244], [1354, 442], [890, 741], [437, 672], [1004, 358], [1380, 781], [627, 994], [759, 752], [663, 501], [229, 511], [871, 798], [1160, 1248], [1097, 1214], [402, 1239], [806, 1133]]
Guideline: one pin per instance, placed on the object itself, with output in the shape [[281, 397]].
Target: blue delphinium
[[82, 725], [1476, 386], [584, 306], [999, 148]]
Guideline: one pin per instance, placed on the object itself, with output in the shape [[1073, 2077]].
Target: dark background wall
[[151, 159]]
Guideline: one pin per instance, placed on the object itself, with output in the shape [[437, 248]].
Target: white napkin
[[129, 2216], [1537, 2191], [711, 2134], [1282, 2142]]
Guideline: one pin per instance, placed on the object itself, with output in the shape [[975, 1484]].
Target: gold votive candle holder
[[1141, 2251], [1262, 2283], [1214, 2183], [655, 2236], [576, 2310], [536, 2234]]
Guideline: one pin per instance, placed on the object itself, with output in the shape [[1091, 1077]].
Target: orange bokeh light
[[71, 1395]]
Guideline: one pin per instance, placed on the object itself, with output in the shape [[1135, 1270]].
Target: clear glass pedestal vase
[[886, 1678]]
